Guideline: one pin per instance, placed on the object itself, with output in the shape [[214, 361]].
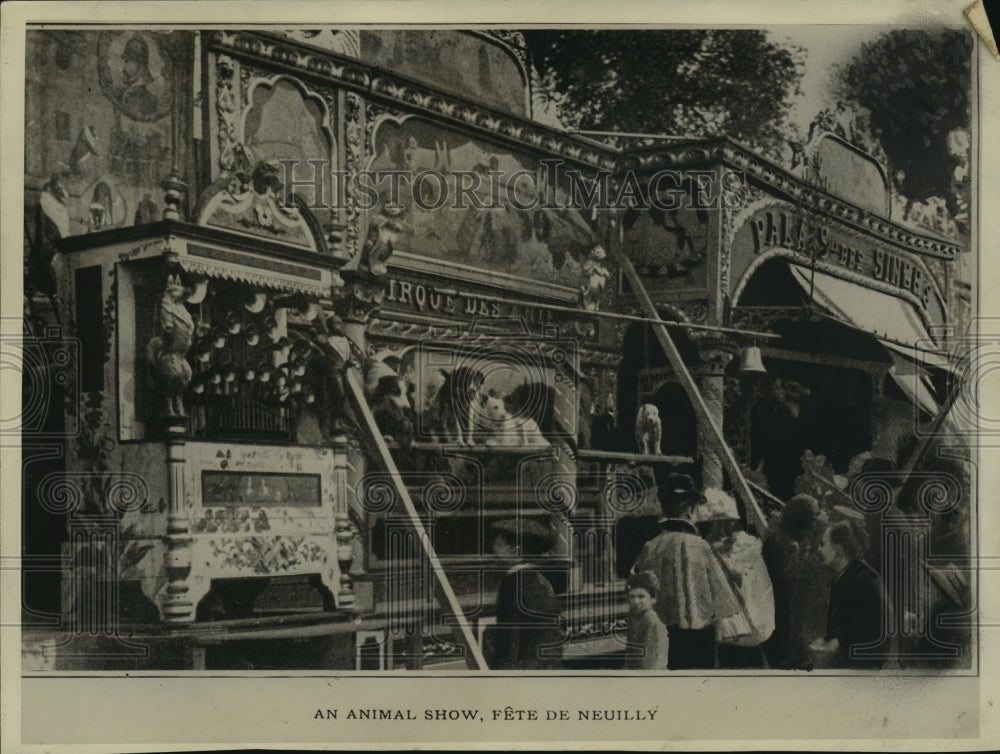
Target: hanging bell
[[752, 363]]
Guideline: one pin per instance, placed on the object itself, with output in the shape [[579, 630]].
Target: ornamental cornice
[[801, 193], [421, 99], [375, 83], [388, 327]]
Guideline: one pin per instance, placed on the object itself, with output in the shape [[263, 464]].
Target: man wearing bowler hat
[[694, 591]]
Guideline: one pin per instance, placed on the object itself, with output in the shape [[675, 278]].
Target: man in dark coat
[[694, 591], [527, 631], [858, 610]]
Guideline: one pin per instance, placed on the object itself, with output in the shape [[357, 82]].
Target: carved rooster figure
[[167, 351]]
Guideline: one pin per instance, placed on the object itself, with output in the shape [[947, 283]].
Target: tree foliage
[[700, 83], [915, 86]]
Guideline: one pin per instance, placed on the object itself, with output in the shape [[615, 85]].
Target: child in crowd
[[646, 632]]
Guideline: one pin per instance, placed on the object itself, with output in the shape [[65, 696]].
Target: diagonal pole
[[369, 426], [742, 488]]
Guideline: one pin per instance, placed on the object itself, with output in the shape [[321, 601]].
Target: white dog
[[648, 430], [506, 429]]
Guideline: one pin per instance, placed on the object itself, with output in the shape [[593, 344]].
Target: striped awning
[[256, 269], [890, 319]]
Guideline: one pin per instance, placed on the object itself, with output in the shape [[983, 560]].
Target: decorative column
[[344, 531], [354, 304], [356, 589], [177, 605], [714, 354]]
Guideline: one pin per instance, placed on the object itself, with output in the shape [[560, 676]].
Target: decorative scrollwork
[[624, 493], [377, 493], [696, 312], [227, 102], [556, 493], [445, 493], [355, 140], [59, 494], [358, 301], [872, 492], [937, 493], [127, 492]]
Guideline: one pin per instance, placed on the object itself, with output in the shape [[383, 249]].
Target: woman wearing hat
[[739, 636], [694, 592], [801, 581], [527, 631]]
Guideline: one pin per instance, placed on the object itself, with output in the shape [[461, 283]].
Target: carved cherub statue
[[167, 351], [595, 277], [383, 232]]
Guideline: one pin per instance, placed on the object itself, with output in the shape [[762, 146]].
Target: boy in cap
[[647, 636]]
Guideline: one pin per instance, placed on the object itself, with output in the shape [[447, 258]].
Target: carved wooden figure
[[383, 230], [167, 351], [595, 278]]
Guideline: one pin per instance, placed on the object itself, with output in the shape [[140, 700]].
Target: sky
[[825, 46]]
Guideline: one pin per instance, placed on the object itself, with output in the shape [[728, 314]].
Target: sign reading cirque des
[[835, 251], [424, 298]]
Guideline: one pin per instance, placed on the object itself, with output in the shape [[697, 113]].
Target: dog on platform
[[648, 429], [452, 413], [506, 429]]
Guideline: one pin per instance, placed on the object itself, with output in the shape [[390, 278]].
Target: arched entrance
[[817, 394], [644, 377]]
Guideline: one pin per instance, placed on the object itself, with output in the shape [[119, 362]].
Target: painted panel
[[668, 248], [487, 231], [455, 61], [845, 171], [250, 488], [108, 122]]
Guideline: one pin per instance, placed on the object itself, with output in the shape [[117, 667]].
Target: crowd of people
[[704, 593]]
